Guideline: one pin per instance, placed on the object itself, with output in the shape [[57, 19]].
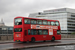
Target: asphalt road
[[64, 47], [25, 45]]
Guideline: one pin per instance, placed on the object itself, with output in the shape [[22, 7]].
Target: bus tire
[[44, 41], [32, 39], [53, 38]]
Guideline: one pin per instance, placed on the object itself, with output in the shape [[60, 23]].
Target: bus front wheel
[[33, 39], [53, 39]]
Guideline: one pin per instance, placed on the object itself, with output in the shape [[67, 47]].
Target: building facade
[[6, 32], [66, 17]]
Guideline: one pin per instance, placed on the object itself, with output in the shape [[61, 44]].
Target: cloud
[[12, 8]]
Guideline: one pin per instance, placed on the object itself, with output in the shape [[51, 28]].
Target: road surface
[[64, 47], [36, 44]]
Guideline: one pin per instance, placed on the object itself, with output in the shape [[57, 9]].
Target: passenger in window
[[29, 33], [45, 32], [57, 23], [37, 33], [19, 23], [33, 21], [40, 32], [28, 22], [32, 32]]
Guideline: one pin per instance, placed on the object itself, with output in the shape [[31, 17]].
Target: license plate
[[17, 40]]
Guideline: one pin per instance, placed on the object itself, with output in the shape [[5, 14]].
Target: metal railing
[[67, 36], [71, 29], [70, 26], [70, 22]]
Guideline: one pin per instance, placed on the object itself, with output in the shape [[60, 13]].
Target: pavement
[[11, 41], [67, 38]]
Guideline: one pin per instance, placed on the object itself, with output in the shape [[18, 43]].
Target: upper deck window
[[27, 21], [18, 21], [48, 22], [39, 21], [33, 21], [53, 23], [44, 22], [57, 23]]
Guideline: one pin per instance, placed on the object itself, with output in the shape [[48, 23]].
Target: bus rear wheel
[[53, 39], [44, 41], [32, 39]]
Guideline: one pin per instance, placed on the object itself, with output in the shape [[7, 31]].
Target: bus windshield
[[18, 30], [18, 21]]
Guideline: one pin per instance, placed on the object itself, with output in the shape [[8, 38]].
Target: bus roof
[[34, 18]]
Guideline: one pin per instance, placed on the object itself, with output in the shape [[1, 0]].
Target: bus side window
[[48, 22], [44, 22], [28, 31], [18, 21], [25, 32], [33, 21], [39, 22], [45, 32], [52, 23], [57, 23], [40, 32], [37, 32], [27, 21], [33, 32]]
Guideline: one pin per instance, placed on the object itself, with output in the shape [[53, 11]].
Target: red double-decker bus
[[34, 29]]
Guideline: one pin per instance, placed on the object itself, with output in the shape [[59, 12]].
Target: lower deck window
[[33, 32], [37, 32], [40, 32], [18, 30], [45, 32], [28, 31]]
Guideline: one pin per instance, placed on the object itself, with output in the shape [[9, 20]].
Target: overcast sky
[[13, 8]]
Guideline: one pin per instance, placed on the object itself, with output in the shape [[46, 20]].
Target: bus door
[[25, 35], [45, 34], [39, 33], [25, 32]]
